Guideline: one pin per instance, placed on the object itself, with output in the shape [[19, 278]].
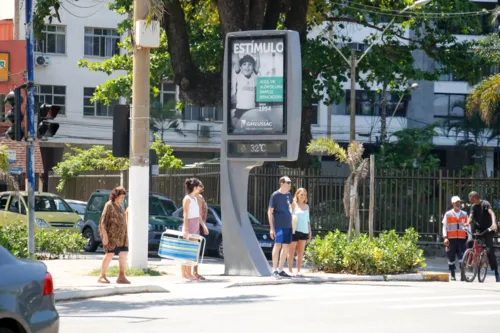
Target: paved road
[[340, 307]]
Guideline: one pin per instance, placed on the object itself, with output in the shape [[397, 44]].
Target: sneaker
[[284, 274], [497, 277], [276, 275]]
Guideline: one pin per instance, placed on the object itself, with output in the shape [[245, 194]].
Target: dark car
[[214, 225], [161, 208], [27, 302]]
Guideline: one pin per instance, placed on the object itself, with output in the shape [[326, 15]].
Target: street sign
[[15, 170], [12, 156], [262, 117]]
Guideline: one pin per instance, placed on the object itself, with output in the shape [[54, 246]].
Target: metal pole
[[30, 112], [352, 136], [371, 213], [139, 151]]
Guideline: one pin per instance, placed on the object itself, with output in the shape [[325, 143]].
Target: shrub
[[386, 254], [48, 243]]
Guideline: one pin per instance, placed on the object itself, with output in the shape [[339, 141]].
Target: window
[[368, 103], [15, 202], [53, 95], [449, 105], [314, 115], [97, 203], [54, 40], [96, 109], [206, 113], [50, 204], [101, 42], [3, 201], [169, 206]]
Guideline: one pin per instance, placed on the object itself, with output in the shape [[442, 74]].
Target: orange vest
[[455, 226]]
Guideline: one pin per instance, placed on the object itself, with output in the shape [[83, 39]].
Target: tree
[[80, 160], [97, 157], [5, 176], [412, 149], [166, 159], [164, 118], [191, 49], [358, 170], [472, 133]]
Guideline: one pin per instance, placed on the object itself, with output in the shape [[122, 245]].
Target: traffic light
[[47, 128], [15, 115]]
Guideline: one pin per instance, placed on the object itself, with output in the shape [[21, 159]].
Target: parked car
[[26, 296], [214, 225], [160, 218], [78, 207], [51, 211]]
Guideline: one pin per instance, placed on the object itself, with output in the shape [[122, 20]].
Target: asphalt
[[346, 307]]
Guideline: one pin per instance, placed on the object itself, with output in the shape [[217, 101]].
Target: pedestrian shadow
[[100, 305], [136, 320]]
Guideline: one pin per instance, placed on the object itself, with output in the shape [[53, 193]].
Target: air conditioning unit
[[204, 131], [42, 60]]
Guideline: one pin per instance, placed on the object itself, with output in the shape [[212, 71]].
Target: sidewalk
[[72, 280]]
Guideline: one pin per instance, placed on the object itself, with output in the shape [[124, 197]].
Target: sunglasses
[[287, 183]]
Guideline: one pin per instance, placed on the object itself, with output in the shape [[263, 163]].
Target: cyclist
[[455, 236], [484, 217]]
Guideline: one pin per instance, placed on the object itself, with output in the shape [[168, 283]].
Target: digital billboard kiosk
[[262, 117]]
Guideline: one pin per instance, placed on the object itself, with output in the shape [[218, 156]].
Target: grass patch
[[114, 270]]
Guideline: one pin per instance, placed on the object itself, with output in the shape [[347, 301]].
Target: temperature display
[[256, 149]]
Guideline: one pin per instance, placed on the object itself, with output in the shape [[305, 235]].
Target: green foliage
[[411, 149], [166, 159], [4, 158], [80, 160], [49, 243], [386, 254]]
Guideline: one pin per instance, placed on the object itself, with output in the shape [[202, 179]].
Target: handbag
[[294, 222]]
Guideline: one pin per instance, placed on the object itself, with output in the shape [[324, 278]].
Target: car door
[[4, 200], [16, 210], [214, 230]]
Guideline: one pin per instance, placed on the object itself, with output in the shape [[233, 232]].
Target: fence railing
[[403, 198]]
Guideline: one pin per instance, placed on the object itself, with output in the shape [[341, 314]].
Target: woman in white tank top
[[192, 219]]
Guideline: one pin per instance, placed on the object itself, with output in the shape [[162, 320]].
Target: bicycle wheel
[[469, 267], [482, 267]]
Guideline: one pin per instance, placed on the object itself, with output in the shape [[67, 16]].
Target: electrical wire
[[84, 7], [382, 11], [82, 17]]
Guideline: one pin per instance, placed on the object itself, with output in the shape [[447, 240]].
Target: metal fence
[[403, 198]]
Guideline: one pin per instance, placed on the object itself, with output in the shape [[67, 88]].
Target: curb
[[62, 296], [415, 277]]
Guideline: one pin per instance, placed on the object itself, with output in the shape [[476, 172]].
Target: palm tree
[[484, 98], [164, 117], [358, 170]]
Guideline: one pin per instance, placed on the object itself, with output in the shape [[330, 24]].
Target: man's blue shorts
[[283, 235]]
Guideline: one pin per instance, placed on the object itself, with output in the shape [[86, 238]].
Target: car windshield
[[50, 204], [79, 208], [252, 218], [156, 207]]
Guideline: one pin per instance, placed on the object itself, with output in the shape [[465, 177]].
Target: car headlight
[[41, 223], [150, 227], [80, 224]]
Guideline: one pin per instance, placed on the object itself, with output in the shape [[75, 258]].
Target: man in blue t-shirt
[[280, 221]]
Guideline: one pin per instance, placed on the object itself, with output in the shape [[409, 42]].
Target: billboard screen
[[257, 83]]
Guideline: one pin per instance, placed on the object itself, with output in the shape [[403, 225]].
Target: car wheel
[[6, 330], [91, 245], [220, 249]]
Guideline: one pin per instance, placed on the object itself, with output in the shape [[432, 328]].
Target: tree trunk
[[383, 116]]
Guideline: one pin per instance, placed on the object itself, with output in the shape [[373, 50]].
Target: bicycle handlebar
[[478, 234]]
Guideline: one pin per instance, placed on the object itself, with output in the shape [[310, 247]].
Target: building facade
[[88, 31]]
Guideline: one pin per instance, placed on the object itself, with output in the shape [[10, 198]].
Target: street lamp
[[353, 63], [413, 86]]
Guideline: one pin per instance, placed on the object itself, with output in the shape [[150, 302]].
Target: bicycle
[[475, 260]]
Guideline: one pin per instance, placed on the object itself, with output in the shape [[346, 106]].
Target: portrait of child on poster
[[257, 86]]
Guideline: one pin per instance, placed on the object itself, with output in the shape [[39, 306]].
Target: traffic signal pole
[[138, 191], [30, 113]]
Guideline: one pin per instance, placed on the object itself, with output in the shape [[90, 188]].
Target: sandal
[[122, 281], [103, 280], [199, 277]]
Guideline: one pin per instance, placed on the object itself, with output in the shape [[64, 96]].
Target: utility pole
[[139, 148], [354, 63], [30, 117]]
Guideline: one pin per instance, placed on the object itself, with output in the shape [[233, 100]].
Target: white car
[[78, 206]]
